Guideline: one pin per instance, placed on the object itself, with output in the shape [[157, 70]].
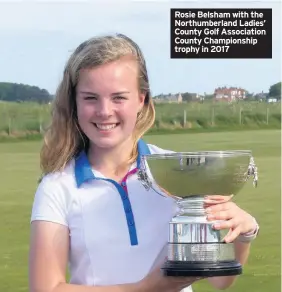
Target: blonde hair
[[64, 139]]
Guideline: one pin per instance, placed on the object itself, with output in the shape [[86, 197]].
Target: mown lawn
[[20, 170]]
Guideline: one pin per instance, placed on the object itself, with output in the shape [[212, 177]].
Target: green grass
[[20, 170]]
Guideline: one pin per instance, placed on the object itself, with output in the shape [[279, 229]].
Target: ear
[[141, 101], [142, 97]]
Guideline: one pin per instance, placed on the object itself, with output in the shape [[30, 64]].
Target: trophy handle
[[148, 184], [252, 171], [144, 179]]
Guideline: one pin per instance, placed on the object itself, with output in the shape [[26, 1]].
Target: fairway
[[20, 171]]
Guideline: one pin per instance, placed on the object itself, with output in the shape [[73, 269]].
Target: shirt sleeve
[[50, 203]]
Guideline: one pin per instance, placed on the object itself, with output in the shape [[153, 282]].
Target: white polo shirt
[[118, 232]]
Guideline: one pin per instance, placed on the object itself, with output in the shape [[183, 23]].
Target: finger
[[229, 232], [221, 215], [229, 224], [233, 235], [185, 280], [190, 281], [217, 199], [219, 207]]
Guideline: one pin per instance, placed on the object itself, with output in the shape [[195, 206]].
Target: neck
[[112, 163]]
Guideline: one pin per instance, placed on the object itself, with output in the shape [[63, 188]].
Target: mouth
[[106, 127]]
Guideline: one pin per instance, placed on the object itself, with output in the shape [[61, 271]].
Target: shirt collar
[[83, 170]]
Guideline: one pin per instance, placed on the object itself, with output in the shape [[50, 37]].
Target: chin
[[106, 143]]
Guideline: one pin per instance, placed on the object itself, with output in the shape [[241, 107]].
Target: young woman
[[90, 210]]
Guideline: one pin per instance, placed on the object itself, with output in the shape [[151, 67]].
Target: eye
[[119, 97], [89, 98]]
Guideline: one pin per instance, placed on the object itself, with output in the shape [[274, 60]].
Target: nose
[[104, 108]]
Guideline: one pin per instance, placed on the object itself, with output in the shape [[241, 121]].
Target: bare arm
[[48, 259], [242, 250]]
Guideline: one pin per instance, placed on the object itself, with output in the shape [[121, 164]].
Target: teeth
[[106, 127]]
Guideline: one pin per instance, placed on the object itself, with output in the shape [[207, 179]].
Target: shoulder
[[53, 196], [158, 150], [59, 180]]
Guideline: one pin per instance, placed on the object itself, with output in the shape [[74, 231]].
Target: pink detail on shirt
[[123, 182]]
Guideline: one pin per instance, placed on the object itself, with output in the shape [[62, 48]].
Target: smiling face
[[108, 101]]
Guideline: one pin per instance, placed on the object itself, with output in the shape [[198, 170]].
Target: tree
[[275, 90], [21, 92]]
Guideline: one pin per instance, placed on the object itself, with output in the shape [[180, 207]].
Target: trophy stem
[[192, 206], [194, 247]]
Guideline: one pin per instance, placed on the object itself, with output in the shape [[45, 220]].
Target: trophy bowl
[[194, 247]]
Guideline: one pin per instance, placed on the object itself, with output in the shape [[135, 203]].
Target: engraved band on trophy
[[194, 247]]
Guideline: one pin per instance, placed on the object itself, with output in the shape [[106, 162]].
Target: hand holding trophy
[[195, 247]]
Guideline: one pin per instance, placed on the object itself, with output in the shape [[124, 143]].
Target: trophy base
[[200, 269]]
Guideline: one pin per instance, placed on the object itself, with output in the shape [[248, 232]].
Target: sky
[[37, 37]]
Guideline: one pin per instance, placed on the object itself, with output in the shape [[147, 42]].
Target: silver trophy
[[195, 248]]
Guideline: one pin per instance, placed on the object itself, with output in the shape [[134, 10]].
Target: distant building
[[196, 97], [271, 100], [170, 98], [179, 98], [174, 98], [229, 94]]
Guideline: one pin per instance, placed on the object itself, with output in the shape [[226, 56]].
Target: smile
[[106, 127]]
